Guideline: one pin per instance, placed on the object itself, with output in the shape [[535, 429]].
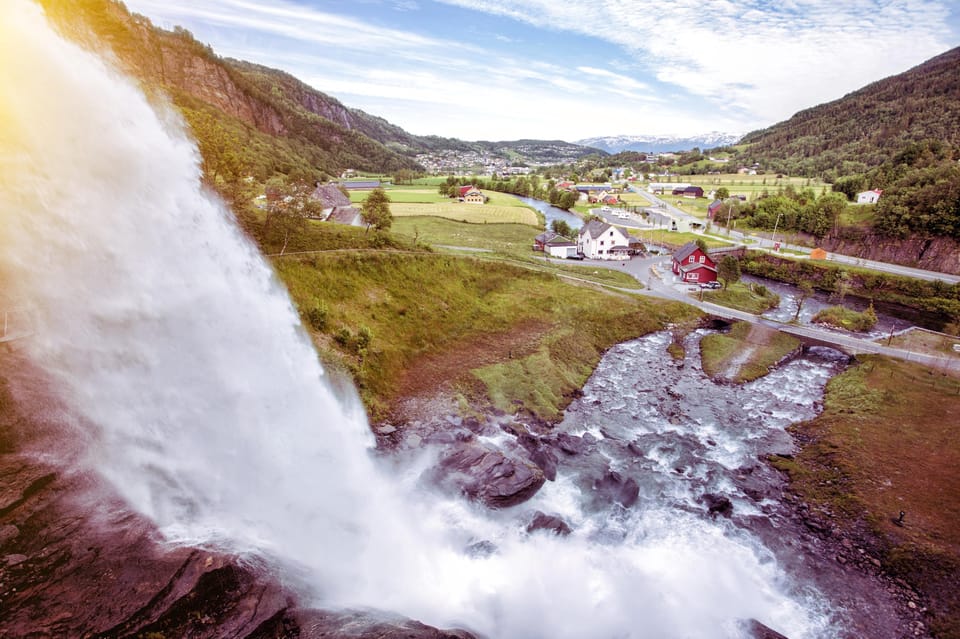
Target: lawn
[[403, 194], [751, 298], [502, 238], [676, 239], [885, 442]]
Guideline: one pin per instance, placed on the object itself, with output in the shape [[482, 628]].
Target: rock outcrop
[[933, 254]]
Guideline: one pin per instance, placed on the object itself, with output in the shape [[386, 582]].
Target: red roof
[[466, 189]]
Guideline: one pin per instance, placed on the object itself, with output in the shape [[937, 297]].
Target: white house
[[869, 197], [601, 241]]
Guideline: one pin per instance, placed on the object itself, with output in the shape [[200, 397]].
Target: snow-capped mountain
[[660, 143]]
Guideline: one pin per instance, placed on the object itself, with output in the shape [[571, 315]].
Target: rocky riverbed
[[650, 445]]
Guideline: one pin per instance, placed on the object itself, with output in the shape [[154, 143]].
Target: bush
[[318, 316], [844, 318]]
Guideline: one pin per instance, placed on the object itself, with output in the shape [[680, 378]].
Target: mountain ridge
[[660, 143], [865, 127]]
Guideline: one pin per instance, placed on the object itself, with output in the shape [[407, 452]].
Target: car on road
[[714, 284]]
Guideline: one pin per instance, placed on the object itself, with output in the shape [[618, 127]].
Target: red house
[[694, 265]]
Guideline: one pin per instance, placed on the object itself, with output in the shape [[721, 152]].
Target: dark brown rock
[[717, 504], [489, 475], [543, 521], [614, 487]]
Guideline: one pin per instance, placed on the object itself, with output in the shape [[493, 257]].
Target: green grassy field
[[473, 213], [743, 297], [745, 353], [405, 194], [411, 324], [676, 239], [514, 241], [885, 442]]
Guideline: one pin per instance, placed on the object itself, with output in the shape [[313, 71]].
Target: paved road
[[767, 243], [655, 274]]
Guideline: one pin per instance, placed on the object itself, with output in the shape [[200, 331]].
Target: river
[[552, 213]]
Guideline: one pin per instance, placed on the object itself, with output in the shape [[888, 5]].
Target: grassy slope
[[887, 442], [432, 320]]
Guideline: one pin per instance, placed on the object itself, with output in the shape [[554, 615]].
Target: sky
[[574, 69]]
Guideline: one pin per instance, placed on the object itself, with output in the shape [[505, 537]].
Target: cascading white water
[[168, 333]]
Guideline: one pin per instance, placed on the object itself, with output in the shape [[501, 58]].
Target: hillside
[[863, 129], [254, 120]]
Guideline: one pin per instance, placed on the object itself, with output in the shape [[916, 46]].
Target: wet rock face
[[75, 562], [489, 475]]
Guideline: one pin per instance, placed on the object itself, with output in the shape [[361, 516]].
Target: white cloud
[[681, 67], [758, 59]]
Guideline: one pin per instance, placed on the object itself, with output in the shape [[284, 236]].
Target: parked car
[[714, 284]]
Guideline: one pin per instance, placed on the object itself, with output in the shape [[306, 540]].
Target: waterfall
[[208, 411]]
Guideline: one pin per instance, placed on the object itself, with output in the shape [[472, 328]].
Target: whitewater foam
[[168, 333]]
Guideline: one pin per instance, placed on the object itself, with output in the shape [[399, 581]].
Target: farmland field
[[475, 213]]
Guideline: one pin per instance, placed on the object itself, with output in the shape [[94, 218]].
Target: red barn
[[694, 265]]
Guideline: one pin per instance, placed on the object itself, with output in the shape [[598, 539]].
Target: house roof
[[716, 204], [559, 240], [685, 251], [330, 196], [361, 184], [594, 228], [345, 215], [545, 237], [686, 268]]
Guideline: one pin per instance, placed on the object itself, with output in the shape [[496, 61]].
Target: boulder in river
[[489, 475], [614, 487], [543, 521]]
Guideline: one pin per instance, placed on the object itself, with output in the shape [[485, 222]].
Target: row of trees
[[788, 210], [525, 186]]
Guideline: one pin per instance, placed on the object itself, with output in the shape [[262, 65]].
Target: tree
[[722, 193], [560, 227], [375, 210], [728, 270], [568, 199], [806, 292], [288, 208]]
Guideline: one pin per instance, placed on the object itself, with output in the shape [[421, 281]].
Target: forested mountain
[[867, 127], [253, 120]]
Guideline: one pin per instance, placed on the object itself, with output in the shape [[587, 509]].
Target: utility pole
[[775, 224]]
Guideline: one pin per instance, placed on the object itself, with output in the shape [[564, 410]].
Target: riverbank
[[885, 444]]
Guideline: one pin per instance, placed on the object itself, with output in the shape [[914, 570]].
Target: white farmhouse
[[601, 241], [869, 197]]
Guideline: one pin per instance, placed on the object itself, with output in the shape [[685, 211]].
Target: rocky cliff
[[933, 254]]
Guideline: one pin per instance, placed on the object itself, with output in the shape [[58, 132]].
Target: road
[[655, 274], [767, 243]]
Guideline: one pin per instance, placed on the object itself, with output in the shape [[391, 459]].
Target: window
[[702, 259], [693, 276], [601, 242], [693, 258]]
